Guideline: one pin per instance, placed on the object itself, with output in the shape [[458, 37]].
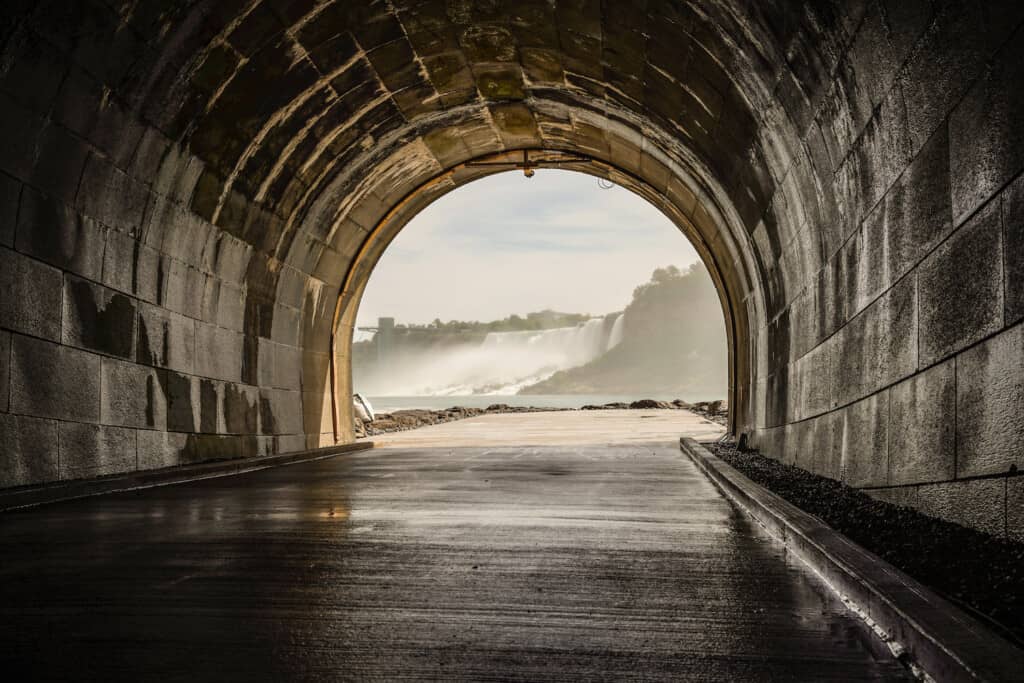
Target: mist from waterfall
[[501, 364]]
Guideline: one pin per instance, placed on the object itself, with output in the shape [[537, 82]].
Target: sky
[[508, 244]]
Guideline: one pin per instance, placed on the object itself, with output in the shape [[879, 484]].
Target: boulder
[[647, 404]]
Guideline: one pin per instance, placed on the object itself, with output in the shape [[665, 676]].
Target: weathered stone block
[[181, 288], [241, 409], [265, 445], [31, 295], [962, 288], [111, 197], [892, 335], [1015, 509], [908, 223], [88, 450], [865, 442], [873, 273], [922, 434], [316, 412], [265, 362], [5, 370], [211, 401], [50, 380], [291, 284], [280, 411], [218, 352], [790, 443], [822, 447], [78, 101], [230, 308], [918, 208], [61, 158], [976, 503], [145, 164], [990, 405], [165, 339], [803, 321], [10, 196], [35, 69], [21, 129], [161, 449], [942, 66], [286, 325], [53, 232], [287, 367], [179, 173], [131, 267], [98, 318], [879, 346], [905, 496], [986, 138], [830, 300], [1013, 249], [132, 396], [29, 453], [815, 370], [207, 447], [291, 443], [183, 403], [116, 135]]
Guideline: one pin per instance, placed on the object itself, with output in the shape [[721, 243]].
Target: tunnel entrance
[[466, 172], [538, 292], [192, 198]]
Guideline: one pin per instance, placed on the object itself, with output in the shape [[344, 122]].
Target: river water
[[386, 404]]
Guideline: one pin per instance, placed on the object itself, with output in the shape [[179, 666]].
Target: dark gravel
[[981, 573]]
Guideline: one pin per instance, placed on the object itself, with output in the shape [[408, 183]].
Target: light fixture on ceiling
[[529, 165]]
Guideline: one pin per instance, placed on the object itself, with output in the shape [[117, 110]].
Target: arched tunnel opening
[[540, 234], [193, 196]]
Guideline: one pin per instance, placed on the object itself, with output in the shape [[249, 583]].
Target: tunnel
[[193, 196]]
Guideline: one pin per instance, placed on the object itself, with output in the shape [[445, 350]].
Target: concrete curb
[[932, 635], [52, 493]]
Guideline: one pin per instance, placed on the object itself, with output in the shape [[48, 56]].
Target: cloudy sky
[[507, 244]]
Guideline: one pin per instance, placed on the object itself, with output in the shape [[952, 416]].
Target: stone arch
[[183, 189], [680, 206]]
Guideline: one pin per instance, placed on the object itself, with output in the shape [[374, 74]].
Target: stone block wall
[[897, 366], [124, 337]]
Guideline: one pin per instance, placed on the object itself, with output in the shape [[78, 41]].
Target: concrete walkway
[[565, 562], [575, 427]]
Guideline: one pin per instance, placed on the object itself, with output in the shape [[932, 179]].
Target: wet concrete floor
[[567, 562], [575, 427]]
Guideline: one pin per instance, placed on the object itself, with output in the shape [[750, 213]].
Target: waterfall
[[503, 362], [615, 338]]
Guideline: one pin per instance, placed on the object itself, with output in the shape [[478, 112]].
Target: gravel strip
[[977, 571]]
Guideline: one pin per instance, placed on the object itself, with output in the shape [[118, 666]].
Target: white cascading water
[[505, 362], [615, 338]]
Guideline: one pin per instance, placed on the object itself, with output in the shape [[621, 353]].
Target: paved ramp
[[563, 427], [566, 562]]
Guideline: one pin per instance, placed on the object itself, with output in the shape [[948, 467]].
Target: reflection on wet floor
[[534, 563]]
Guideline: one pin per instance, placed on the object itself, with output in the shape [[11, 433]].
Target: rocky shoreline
[[402, 420]]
